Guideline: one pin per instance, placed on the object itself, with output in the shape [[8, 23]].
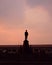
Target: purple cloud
[[39, 2], [45, 3], [12, 10]]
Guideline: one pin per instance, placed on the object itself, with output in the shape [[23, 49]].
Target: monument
[[25, 49], [26, 43]]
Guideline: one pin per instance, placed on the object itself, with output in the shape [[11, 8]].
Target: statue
[[26, 35]]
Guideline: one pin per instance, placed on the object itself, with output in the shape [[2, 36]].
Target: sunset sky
[[18, 15]]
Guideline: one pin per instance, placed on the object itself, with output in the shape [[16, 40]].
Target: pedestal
[[26, 44]]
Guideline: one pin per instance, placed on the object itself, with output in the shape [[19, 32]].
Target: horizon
[[18, 15]]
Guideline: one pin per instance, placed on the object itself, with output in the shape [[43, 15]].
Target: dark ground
[[33, 55]]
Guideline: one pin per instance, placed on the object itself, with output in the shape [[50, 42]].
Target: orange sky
[[18, 15]]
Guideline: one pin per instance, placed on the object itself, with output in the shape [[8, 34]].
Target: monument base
[[26, 46], [26, 43]]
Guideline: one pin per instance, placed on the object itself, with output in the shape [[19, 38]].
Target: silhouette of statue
[[26, 44], [26, 35]]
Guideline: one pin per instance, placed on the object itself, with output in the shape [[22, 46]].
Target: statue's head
[[26, 30]]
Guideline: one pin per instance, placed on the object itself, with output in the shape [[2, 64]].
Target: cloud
[[12, 11], [18, 15], [39, 22], [38, 2], [47, 4], [38, 16]]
